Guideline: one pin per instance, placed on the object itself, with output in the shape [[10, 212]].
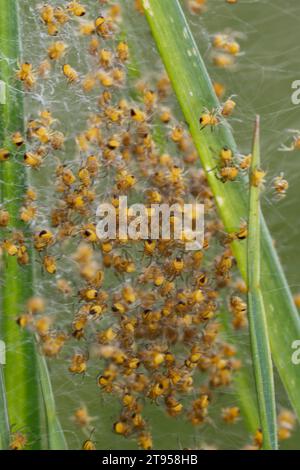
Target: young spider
[[209, 118], [295, 145], [228, 172], [280, 185], [227, 107], [89, 444]]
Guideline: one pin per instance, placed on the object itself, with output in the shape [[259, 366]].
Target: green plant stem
[[261, 353], [243, 381], [194, 91], [16, 283]]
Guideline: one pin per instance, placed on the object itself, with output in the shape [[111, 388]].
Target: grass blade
[[261, 354], [56, 438], [194, 91], [4, 420]]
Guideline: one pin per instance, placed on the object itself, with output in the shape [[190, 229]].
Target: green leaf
[[261, 353], [194, 91]]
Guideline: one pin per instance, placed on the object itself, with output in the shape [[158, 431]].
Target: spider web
[[261, 80]]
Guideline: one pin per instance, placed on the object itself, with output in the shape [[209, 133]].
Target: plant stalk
[[16, 283], [261, 353]]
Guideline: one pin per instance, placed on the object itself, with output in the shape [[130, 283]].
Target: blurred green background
[[261, 81]]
